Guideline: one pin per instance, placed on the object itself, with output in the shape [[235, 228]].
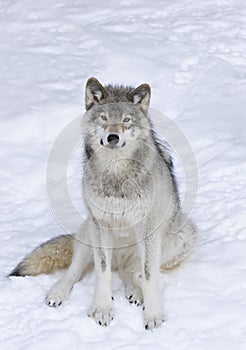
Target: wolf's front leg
[[150, 249], [102, 306]]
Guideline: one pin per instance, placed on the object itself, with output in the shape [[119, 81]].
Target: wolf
[[135, 224]]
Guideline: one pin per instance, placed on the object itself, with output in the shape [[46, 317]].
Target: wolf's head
[[115, 116]]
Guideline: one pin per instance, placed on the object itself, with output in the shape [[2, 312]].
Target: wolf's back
[[49, 257]]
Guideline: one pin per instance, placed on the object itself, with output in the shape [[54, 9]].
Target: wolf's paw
[[55, 297], [134, 295], [102, 315], [151, 322], [53, 300]]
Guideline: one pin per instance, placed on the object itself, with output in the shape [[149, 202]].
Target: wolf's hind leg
[[178, 244], [129, 268], [81, 259], [133, 288]]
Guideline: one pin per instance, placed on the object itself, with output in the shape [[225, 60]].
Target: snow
[[193, 54]]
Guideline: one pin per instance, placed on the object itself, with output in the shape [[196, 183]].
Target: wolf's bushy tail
[[49, 257]]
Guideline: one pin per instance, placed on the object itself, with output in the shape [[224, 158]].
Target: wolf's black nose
[[113, 139]]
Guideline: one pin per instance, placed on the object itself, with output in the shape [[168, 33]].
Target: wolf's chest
[[115, 200], [122, 191], [118, 183], [118, 187], [117, 213]]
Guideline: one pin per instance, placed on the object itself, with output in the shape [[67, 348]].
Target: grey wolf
[[134, 222]]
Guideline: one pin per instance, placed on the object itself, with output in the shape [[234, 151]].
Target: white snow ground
[[193, 54]]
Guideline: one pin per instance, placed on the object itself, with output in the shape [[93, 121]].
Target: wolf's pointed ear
[[94, 92], [141, 96]]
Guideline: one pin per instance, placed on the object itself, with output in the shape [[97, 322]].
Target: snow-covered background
[[193, 54]]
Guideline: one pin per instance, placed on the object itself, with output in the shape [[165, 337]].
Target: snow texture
[[193, 54]]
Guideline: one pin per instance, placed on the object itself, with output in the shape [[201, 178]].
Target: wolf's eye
[[103, 117], [126, 119]]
